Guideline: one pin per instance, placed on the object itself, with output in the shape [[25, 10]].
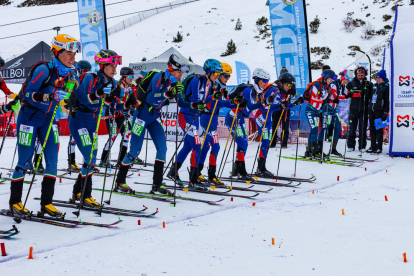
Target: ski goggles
[[360, 71], [334, 77], [216, 74], [226, 76], [117, 60], [289, 85], [264, 80], [185, 68], [71, 46], [131, 77]]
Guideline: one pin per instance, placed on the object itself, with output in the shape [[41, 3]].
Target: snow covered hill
[[207, 27]]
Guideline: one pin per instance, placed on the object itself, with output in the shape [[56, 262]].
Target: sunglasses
[[131, 77], [226, 76], [289, 85], [117, 60]]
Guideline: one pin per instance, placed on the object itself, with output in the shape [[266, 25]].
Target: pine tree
[[231, 49], [411, 2], [238, 25], [179, 38], [190, 59], [314, 25], [144, 59]]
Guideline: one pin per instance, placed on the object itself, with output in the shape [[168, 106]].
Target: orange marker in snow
[[31, 253], [343, 212], [405, 257], [386, 198], [273, 242]]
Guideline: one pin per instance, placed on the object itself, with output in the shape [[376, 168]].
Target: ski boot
[[74, 167], [243, 175], [334, 151], [175, 177], [316, 151], [378, 151], [308, 152], [51, 211], [91, 202], [235, 171], [161, 189], [371, 150], [200, 174], [123, 188], [139, 161], [17, 209], [261, 169], [212, 177]]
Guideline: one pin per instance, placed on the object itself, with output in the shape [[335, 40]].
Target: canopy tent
[[16, 70], [161, 62]]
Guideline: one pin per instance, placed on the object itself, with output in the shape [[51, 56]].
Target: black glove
[[9, 105], [298, 101], [200, 106], [292, 90], [52, 97], [347, 96], [131, 102], [116, 92], [237, 100], [225, 92], [269, 100], [384, 116], [243, 104], [336, 101], [218, 95]]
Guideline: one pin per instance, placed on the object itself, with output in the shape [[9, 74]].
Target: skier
[[162, 88], [196, 92], [34, 121], [359, 90], [94, 88], [319, 92], [379, 107], [212, 140], [123, 105], [253, 98], [275, 93]]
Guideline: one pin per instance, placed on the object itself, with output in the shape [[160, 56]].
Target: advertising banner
[[169, 119], [290, 42], [243, 73], [402, 84], [92, 28]]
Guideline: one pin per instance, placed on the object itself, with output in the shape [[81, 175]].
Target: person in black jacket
[[378, 108], [359, 90]]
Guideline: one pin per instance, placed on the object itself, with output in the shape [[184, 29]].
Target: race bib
[[265, 134], [260, 121], [197, 139], [316, 122], [239, 132], [85, 137], [138, 127], [114, 130], [25, 135], [56, 133], [329, 119], [374, 98], [215, 137]]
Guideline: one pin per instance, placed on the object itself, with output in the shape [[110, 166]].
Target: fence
[[146, 14]]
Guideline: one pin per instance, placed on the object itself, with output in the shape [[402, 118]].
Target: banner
[[92, 28], [169, 119], [402, 84], [290, 42], [243, 73]]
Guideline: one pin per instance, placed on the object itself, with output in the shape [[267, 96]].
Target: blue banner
[[243, 72], [92, 26], [290, 42]]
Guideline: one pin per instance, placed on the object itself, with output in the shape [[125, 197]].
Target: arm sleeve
[[192, 90], [314, 95], [86, 87], [4, 88], [39, 75]]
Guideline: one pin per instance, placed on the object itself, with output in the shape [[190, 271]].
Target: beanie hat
[[382, 74], [283, 70]]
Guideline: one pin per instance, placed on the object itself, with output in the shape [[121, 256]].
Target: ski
[[348, 164], [97, 210], [75, 177], [266, 183], [9, 233], [353, 159], [235, 188], [35, 218], [170, 198]]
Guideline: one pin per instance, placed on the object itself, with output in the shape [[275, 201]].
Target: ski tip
[[255, 177], [107, 202], [185, 190], [17, 220], [248, 182], [76, 213]]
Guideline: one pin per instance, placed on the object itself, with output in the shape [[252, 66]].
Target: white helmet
[[261, 74]]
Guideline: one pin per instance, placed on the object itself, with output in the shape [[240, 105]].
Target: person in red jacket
[[3, 86]]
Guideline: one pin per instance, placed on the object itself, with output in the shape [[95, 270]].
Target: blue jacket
[[195, 95]]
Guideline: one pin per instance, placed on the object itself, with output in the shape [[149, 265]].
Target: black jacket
[[382, 92], [357, 92]]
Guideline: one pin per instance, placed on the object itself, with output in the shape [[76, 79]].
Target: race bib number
[[316, 122], [25, 135], [114, 129], [215, 137], [197, 139], [138, 127], [265, 134], [56, 133], [85, 137], [239, 132], [374, 98], [329, 119], [260, 121]]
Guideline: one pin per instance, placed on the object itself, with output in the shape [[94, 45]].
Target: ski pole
[[205, 136], [333, 132], [228, 137], [297, 141], [182, 140], [146, 149], [349, 128], [77, 213], [14, 155], [273, 135], [176, 149], [7, 130], [260, 140], [324, 131], [363, 124], [281, 147], [19, 219]]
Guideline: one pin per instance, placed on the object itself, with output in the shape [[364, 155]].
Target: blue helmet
[[212, 65], [329, 74], [142, 74], [83, 65]]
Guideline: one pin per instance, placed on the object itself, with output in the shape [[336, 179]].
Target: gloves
[[283, 104], [217, 95], [384, 117], [269, 100], [292, 90], [200, 106], [298, 101], [237, 100], [131, 102], [10, 105], [225, 92], [16, 106], [178, 89], [347, 96], [243, 104], [52, 97], [116, 92], [336, 101]]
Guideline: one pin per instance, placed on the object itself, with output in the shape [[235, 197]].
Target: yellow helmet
[[67, 43], [226, 68]]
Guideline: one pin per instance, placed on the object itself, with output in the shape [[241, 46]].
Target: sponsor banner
[[402, 84], [243, 73], [92, 28], [169, 118], [290, 42]]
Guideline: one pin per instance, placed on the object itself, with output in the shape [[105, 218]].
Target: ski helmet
[[142, 74], [106, 57], [346, 75], [65, 42], [262, 74], [126, 71], [212, 65], [1, 62], [329, 74], [83, 65], [287, 78], [226, 68], [178, 62], [361, 70]]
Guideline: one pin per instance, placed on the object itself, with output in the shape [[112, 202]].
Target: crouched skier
[[162, 88]]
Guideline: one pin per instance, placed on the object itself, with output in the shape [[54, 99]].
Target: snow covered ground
[[311, 235]]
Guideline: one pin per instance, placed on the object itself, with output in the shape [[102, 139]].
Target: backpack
[[239, 88], [186, 82], [73, 102], [44, 84], [308, 93], [142, 88]]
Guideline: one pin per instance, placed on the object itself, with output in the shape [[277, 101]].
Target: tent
[[161, 62], [16, 70]]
